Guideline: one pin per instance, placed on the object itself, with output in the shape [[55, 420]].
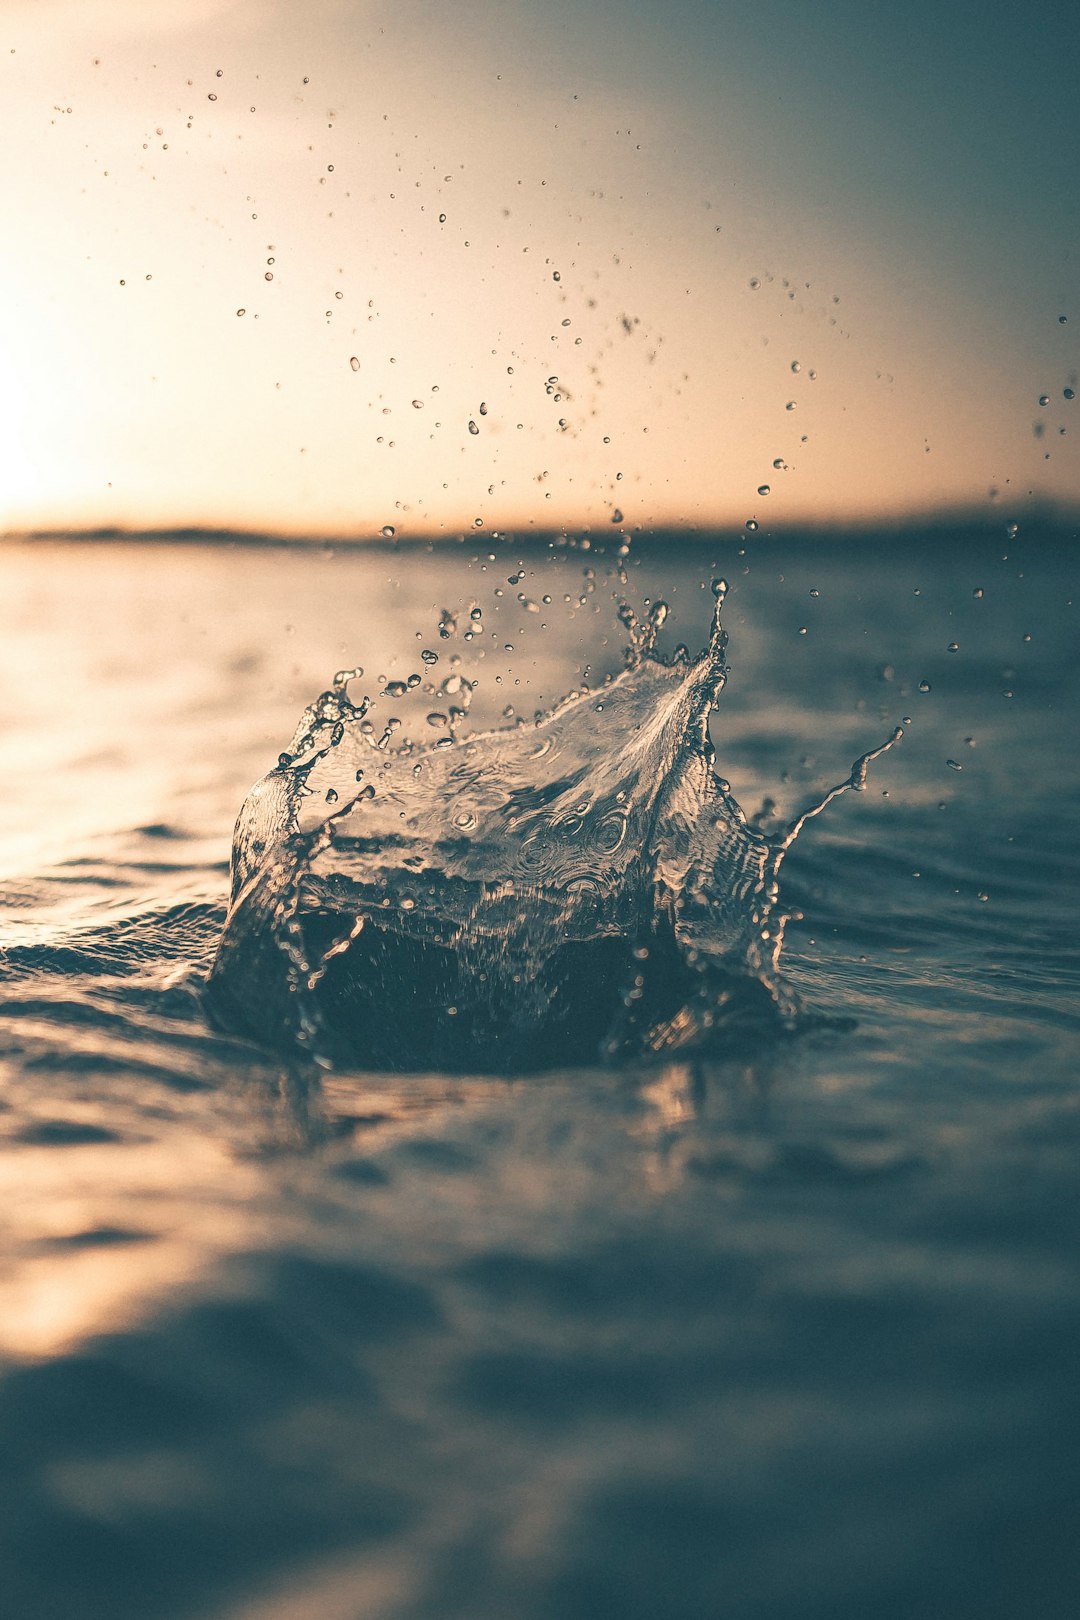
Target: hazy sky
[[323, 267]]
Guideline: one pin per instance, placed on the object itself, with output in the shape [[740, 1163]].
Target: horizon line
[[1045, 515]]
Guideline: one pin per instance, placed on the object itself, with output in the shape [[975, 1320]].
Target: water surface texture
[[663, 1276]]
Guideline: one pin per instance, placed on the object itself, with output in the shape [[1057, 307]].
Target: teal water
[[782, 1323]]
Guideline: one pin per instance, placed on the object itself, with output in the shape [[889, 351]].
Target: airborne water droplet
[[473, 427], [387, 531], [924, 686], [354, 362], [764, 489]]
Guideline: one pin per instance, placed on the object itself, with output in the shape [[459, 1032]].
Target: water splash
[[582, 889]]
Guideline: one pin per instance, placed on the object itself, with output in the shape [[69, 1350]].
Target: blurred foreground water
[[790, 1330]]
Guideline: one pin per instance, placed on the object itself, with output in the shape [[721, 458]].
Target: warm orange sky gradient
[[514, 263]]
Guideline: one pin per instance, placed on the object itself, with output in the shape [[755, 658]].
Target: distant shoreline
[[1047, 525]]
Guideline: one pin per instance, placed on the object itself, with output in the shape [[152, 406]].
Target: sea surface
[[539, 1291]]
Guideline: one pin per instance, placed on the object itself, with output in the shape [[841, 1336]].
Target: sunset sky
[[320, 268]]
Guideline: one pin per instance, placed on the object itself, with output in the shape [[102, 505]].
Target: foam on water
[[582, 888]]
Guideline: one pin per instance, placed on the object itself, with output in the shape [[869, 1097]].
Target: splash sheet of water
[[582, 888]]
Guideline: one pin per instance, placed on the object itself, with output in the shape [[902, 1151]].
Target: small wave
[[578, 890]]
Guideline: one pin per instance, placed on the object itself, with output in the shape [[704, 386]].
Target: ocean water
[[668, 1274]]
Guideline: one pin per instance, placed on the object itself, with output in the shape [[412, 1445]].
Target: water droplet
[[211, 96], [954, 765], [241, 312], [616, 516], [1062, 320], [751, 524], [220, 73], [954, 646], [764, 489], [473, 427], [778, 463], [978, 593], [555, 276], [268, 275], [924, 686], [429, 657], [1044, 399], [790, 406], [417, 404], [1070, 393], [1012, 530], [795, 366], [754, 283], [720, 589], [388, 531]]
